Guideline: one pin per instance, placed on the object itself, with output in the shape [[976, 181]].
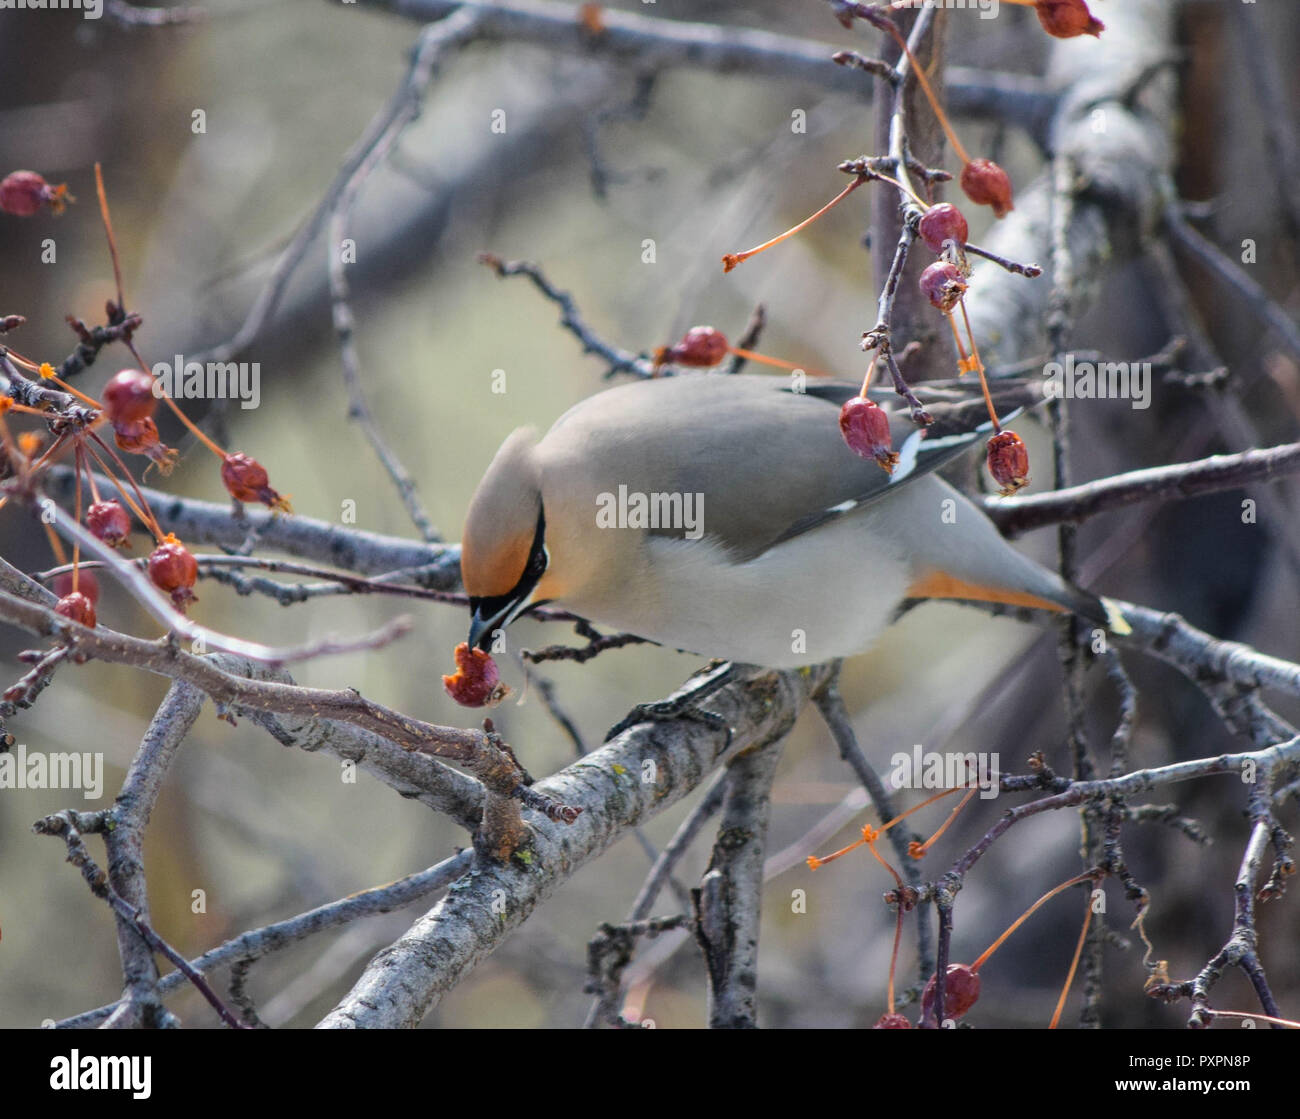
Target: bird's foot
[[684, 704]]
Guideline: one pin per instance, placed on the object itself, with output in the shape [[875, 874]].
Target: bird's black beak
[[483, 623], [488, 615]]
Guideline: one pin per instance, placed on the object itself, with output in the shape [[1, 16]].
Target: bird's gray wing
[[767, 463]]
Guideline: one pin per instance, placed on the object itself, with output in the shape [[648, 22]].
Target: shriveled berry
[[961, 989], [892, 1022], [1067, 19], [943, 285], [128, 397], [78, 607], [87, 585], [986, 184], [23, 193], [109, 522], [246, 479], [1008, 460], [700, 346], [941, 223], [173, 568], [140, 437], [864, 424], [476, 682]]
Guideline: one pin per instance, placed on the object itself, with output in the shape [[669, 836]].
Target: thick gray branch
[[728, 902], [619, 791]]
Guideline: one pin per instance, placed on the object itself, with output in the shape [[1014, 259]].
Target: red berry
[[1008, 460], [23, 193], [864, 424], [961, 989], [173, 569], [246, 479], [129, 398], [476, 683], [892, 1022], [701, 345], [78, 607], [943, 285], [87, 585], [986, 184], [109, 522], [941, 223], [1067, 18]]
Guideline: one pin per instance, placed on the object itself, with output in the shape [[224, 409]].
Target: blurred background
[[583, 174]]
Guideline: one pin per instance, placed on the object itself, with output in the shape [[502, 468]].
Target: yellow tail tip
[[1115, 619]]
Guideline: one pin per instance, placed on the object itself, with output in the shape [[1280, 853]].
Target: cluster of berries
[[127, 405]]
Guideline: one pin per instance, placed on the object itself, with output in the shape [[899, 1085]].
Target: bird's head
[[503, 548]]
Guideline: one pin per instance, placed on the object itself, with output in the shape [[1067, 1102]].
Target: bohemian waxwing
[[725, 516]]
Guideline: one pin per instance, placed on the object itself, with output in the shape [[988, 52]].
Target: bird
[[724, 515]]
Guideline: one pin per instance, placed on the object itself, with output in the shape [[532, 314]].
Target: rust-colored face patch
[[489, 568]]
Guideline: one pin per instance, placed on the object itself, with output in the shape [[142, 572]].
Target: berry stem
[[978, 366], [1074, 964], [870, 834], [871, 369], [928, 90], [76, 512], [732, 259], [1290, 1025], [871, 846], [907, 190], [142, 510], [56, 545], [46, 371], [1029, 913], [112, 241], [763, 359], [893, 959], [918, 807], [920, 849]]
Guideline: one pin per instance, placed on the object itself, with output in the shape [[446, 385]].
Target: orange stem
[[870, 834], [1290, 1025], [942, 117], [51, 376], [112, 241], [754, 355], [979, 369], [56, 545], [142, 510], [918, 807], [871, 846], [732, 259], [1074, 964], [921, 848], [76, 508], [893, 959], [1026, 915], [871, 369]]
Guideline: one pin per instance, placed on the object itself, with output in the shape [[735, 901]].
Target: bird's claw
[[683, 705]]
